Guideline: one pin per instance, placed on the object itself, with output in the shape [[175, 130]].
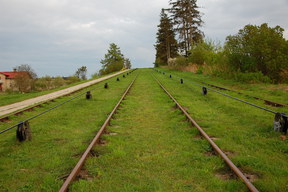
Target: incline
[[7, 109]]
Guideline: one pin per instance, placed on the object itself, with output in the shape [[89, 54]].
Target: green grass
[[7, 98], [155, 148], [276, 93], [243, 130], [58, 138]]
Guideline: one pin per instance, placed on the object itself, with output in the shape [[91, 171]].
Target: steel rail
[[5, 117], [80, 163], [250, 186], [56, 106], [268, 102], [224, 94]]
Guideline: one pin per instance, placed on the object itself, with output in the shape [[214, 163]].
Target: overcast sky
[[56, 37]]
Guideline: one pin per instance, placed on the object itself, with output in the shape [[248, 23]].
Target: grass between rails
[[155, 149], [242, 130], [10, 98], [58, 139], [276, 93], [171, 159]]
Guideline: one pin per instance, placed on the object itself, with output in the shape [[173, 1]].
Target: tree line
[[254, 54], [113, 61]]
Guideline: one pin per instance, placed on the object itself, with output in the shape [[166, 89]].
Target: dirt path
[[7, 109]]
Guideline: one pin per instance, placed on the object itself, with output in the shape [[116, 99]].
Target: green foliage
[[48, 83], [181, 61], [81, 73], [127, 63], [250, 77], [166, 45], [95, 76], [187, 21], [258, 48], [113, 61], [73, 79]]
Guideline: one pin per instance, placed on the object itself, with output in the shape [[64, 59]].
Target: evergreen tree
[[127, 63], [81, 73], [113, 61], [187, 20], [166, 45]]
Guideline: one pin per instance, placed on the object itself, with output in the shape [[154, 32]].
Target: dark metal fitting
[[281, 123], [88, 95], [106, 85], [204, 91], [23, 131]]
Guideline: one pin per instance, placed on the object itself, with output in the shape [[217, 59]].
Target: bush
[[284, 76], [249, 77], [181, 61], [258, 48], [73, 79]]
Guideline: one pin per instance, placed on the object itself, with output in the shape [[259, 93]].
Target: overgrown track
[[5, 117], [207, 137], [80, 163], [267, 102], [154, 147]]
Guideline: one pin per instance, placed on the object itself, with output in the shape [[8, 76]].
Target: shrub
[[258, 48], [256, 77]]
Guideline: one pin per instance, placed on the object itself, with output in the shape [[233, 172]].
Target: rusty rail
[[80, 163], [250, 186], [29, 108], [267, 102]]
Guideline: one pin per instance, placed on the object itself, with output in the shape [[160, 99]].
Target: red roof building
[[7, 79]]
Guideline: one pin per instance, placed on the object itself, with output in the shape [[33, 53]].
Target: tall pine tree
[[113, 61], [166, 45], [187, 20]]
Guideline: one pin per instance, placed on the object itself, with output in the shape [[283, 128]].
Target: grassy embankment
[[58, 138], [273, 92]]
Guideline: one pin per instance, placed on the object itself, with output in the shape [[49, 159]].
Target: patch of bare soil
[[229, 153], [210, 153], [225, 174], [83, 174], [214, 138], [279, 87], [198, 136], [102, 142]]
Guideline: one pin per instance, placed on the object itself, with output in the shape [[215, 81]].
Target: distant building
[[7, 80]]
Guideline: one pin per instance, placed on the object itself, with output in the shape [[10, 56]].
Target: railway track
[[28, 105], [29, 108], [80, 163], [267, 102], [96, 139]]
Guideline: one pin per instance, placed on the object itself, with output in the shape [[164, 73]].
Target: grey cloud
[[57, 36]]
